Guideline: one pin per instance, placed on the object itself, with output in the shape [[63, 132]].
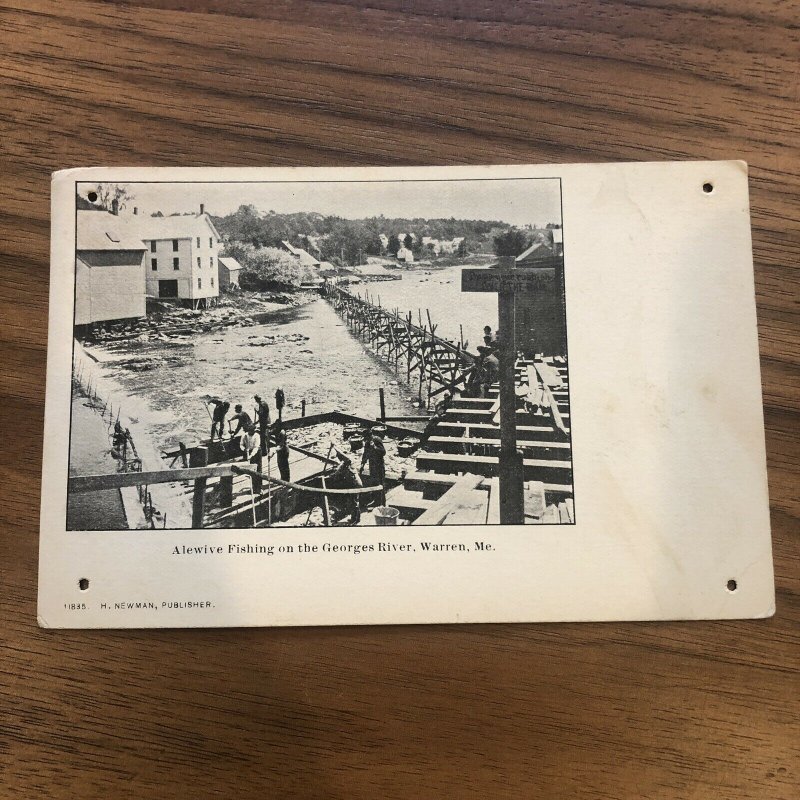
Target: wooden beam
[[119, 480], [456, 496]]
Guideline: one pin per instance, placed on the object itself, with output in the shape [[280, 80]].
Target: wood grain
[[597, 711]]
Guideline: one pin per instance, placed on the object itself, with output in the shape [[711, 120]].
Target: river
[[162, 385], [438, 291]]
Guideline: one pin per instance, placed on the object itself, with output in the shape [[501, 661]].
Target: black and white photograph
[[300, 354]]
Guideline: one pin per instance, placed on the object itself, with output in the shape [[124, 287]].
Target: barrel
[[386, 515], [406, 447], [356, 442], [351, 429]]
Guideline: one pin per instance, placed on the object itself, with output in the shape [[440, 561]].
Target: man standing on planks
[[282, 448], [375, 455], [262, 417], [346, 477], [251, 449], [243, 421], [490, 369], [218, 417]]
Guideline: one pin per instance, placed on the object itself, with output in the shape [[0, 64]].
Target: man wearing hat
[[374, 455]]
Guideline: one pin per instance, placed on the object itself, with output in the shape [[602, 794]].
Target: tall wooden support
[[382, 401], [198, 458], [505, 280], [432, 364], [226, 491], [511, 473]]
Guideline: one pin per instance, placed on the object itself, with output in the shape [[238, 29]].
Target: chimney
[[202, 208], [135, 211], [115, 206]]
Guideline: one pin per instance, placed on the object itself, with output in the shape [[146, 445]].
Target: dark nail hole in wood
[[92, 197], [732, 585], [708, 188], [84, 584]]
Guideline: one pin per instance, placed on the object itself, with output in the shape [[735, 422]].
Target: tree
[[462, 248], [393, 246], [265, 268], [107, 193], [510, 243], [408, 242]]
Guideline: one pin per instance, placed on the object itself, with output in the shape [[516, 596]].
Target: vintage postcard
[[402, 395]]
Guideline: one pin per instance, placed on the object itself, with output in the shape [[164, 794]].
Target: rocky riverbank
[[172, 323]]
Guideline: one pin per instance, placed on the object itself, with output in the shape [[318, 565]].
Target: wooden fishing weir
[[430, 363], [456, 475]]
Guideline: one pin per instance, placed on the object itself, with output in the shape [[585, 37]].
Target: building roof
[[230, 263], [306, 259], [537, 250], [180, 226], [104, 231]]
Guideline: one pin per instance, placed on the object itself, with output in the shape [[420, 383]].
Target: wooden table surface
[[514, 711]]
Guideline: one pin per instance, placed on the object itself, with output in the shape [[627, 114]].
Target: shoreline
[[167, 321]]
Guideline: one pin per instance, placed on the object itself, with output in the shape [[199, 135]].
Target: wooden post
[[505, 280], [326, 509], [226, 491], [198, 458], [382, 400], [303, 408], [512, 482]]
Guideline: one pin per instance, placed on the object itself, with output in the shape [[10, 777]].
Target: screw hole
[[92, 197], [732, 585], [83, 583], [708, 188]]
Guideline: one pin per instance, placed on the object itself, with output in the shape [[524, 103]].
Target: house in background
[[442, 246], [228, 272], [404, 254], [109, 269], [539, 254], [182, 255], [540, 314], [303, 256]]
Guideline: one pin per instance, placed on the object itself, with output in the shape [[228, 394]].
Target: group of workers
[[256, 434]]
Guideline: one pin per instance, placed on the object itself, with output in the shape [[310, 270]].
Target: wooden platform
[[467, 441]]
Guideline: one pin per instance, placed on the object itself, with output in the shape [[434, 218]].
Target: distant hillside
[[349, 241]]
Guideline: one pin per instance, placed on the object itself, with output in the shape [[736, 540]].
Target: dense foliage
[[511, 242], [349, 241], [266, 268]]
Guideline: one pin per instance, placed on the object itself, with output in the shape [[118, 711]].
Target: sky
[[514, 201]]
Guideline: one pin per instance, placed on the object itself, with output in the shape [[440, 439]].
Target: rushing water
[[438, 291], [164, 384]]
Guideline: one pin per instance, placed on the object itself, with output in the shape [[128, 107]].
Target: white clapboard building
[[182, 258], [109, 268]]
